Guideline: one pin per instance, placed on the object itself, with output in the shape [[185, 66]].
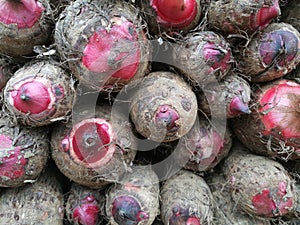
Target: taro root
[[5, 71], [204, 146], [272, 127], [103, 42], [259, 186], [186, 199], [135, 200], [242, 16], [23, 152], [228, 98], [203, 57], [84, 206], [271, 54], [24, 24], [39, 94], [290, 13], [225, 210], [163, 108], [171, 15], [95, 150], [40, 202]]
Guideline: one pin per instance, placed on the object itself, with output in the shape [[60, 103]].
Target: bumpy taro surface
[[24, 24], [186, 199], [259, 186], [23, 152], [171, 16], [272, 54], [242, 16], [96, 150], [103, 42], [39, 94], [272, 127], [204, 57], [41, 202], [290, 13], [135, 200], [163, 107]]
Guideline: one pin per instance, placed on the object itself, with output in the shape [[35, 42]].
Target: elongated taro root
[[186, 199], [259, 186], [135, 200], [272, 128], [39, 94], [85, 206], [95, 150], [225, 210], [203, 57], [163, 107], [23, 152], [204, 145], [103, 42], [228, 98], [290, 14], [171, 15], [242, 16], [36, 203], [271, 54], [23, 24]]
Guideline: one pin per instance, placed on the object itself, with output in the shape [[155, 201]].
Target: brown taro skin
[[95, 150], [260, 186], [163, 107], [241, 16], [290, 14], [39, 93], [186, 199], [24, 152], [24, 24], [203, 56], [225, 210], [135, 199], [41, 202], [204, 146], [271, 54], [272, 128], [103, 42]]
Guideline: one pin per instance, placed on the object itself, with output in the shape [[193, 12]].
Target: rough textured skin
[[163, 89], [77, 24], [272, 127], [141, 184], [29, 153], [158, 25], [271, 54], [204, 145], [18, 42], [185, 196], [5, 71], [78, 196], [259, 186], [241, 16], [97, 177], [58, 83], [37, 203], [231, 95], [226, 212], [290, 14], [203, 57]]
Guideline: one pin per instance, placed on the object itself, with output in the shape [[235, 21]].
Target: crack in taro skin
[[182, 216], [175, 13], [12, 160], [280, 110], [126, 210], [278, 48], [271, 204], [115, 51], [87, 212], [23, 13], [264, 16]]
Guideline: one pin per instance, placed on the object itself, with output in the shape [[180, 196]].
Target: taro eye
[[175, 210], [122, 214]]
